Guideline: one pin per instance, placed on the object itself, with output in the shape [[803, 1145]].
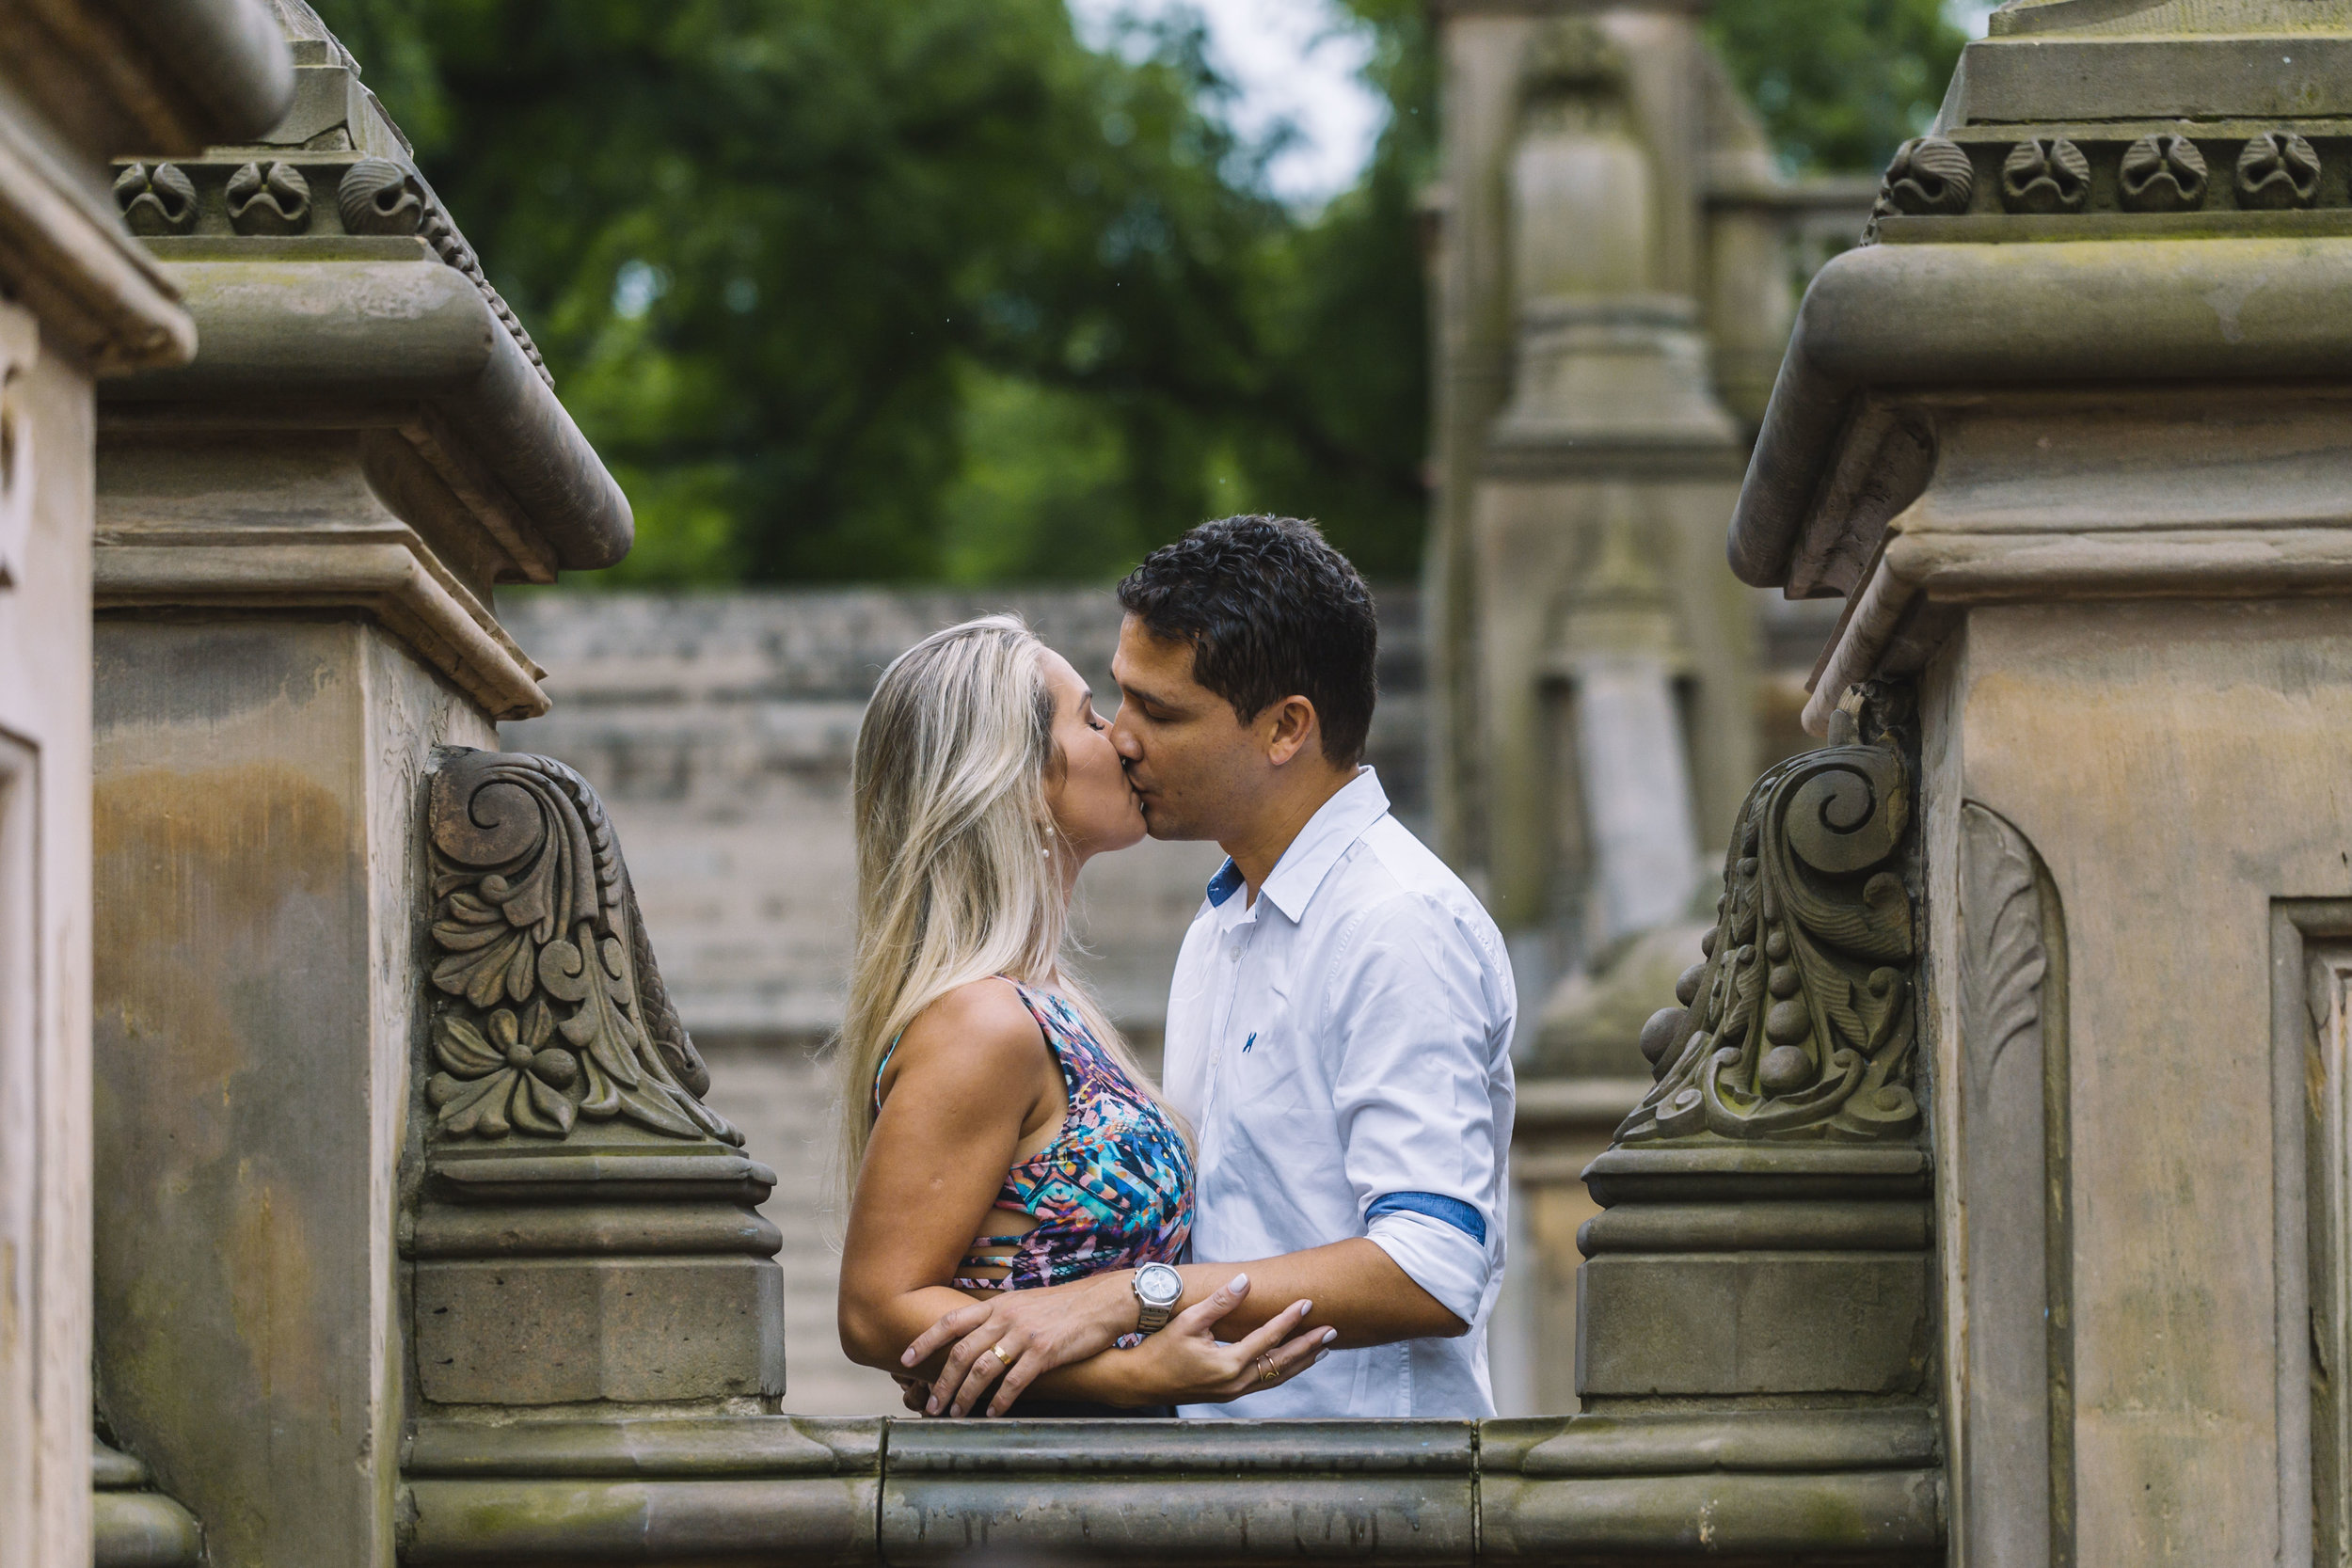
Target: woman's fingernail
[[907, 1360], [1304, 1308], [1330, 1335], [1239, 1282], [1319, 1357]]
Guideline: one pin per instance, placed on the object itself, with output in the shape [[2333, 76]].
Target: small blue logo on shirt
[[1248, 1043]]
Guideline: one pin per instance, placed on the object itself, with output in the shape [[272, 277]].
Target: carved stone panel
[[555, 1010], [1798, 1022], [587, 1228], [2015, 1417]]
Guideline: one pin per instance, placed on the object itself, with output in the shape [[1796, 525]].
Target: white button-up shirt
[[1342, 1050]]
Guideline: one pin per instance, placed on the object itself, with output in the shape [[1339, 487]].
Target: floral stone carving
[[2277, 170], [2046, 174], [157, 199], [272, 199], [1799, 1021], [1928, 174], [556, 1011], [378, 197], [2161, 173]]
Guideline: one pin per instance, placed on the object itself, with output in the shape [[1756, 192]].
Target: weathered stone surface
[[1767, 1486], [532, 1331], [1755, 1323], [259, 853], [2078, 472], [2186, 1293], [1181, 1492], [80, 81], [761, 1489]]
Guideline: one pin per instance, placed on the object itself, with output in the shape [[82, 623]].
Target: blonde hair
[[959, 862]]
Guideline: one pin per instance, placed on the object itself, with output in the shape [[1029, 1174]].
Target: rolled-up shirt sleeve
[[1415, 1010]]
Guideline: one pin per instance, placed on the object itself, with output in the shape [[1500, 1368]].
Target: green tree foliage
[[1839, 83], [927, 288], [905, 289]]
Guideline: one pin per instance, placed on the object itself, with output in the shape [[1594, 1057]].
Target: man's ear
[[1294, 728]]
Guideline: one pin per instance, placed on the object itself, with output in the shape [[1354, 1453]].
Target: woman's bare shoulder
[[980, 1033]]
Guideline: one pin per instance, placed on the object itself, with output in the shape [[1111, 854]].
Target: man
[[1338, 1029]]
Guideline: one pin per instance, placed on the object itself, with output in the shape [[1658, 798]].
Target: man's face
[[1195, 764]]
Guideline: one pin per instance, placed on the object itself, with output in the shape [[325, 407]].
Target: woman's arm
[[966, 1087], [1182, 1364]]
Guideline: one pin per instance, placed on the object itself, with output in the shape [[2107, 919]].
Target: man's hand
[[1039, 1329]]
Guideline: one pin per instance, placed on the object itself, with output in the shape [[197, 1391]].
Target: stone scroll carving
[[555, 1011], [2004, 957], [1799, 1022]]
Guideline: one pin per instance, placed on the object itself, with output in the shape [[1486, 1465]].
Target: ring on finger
[[1265, 1368], [997, 1351]]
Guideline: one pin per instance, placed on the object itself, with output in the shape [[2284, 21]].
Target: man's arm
[[1353, 1289], [1416, 1009]]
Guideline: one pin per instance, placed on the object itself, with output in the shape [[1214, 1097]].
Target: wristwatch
[[1158, 1289]]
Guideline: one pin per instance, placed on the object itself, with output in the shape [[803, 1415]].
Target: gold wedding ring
[[1266, 1369], [998, 1351]]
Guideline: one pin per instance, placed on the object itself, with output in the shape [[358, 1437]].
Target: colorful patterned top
[[1114, 1188]]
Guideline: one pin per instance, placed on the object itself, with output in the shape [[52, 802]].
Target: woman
[[997, 1132]]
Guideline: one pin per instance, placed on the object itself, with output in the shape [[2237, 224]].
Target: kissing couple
[[1307, 1219]]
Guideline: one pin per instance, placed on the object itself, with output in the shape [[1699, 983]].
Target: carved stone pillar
[[587, 1233], [79, 81], [2072, 439], [300, 535], [1765, 1232]]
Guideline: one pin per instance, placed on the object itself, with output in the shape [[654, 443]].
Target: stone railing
[[1748, 1485]]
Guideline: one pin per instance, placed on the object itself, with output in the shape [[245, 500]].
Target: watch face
[[1159, 1284]]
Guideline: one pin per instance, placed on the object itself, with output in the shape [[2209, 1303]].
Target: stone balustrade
[[1749, 1487]]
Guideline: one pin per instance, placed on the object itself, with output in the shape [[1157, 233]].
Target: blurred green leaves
[[1839, 83], [913, 289], [876, 290]]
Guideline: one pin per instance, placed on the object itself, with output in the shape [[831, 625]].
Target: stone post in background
[[79, 82], [299, 539], [1614, 281], [2073, 440]]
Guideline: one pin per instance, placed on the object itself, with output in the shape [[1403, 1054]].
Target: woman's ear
[[1294, 728]]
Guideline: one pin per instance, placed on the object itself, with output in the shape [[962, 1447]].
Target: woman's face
[[1089, 794]]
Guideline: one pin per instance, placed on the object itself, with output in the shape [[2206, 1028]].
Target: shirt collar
[[1329, 835]]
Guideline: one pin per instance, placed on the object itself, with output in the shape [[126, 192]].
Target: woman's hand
[[1020, 1335], [1184, 1363]]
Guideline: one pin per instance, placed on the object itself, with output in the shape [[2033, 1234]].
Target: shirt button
[[1234, 952]]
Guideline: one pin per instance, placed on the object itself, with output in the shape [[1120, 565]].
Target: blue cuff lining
[[1225, 883], [1451, 1211]]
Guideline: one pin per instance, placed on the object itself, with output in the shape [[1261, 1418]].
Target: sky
[[1294, 60]]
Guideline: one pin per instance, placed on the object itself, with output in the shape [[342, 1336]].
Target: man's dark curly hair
[[1271, 611]]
